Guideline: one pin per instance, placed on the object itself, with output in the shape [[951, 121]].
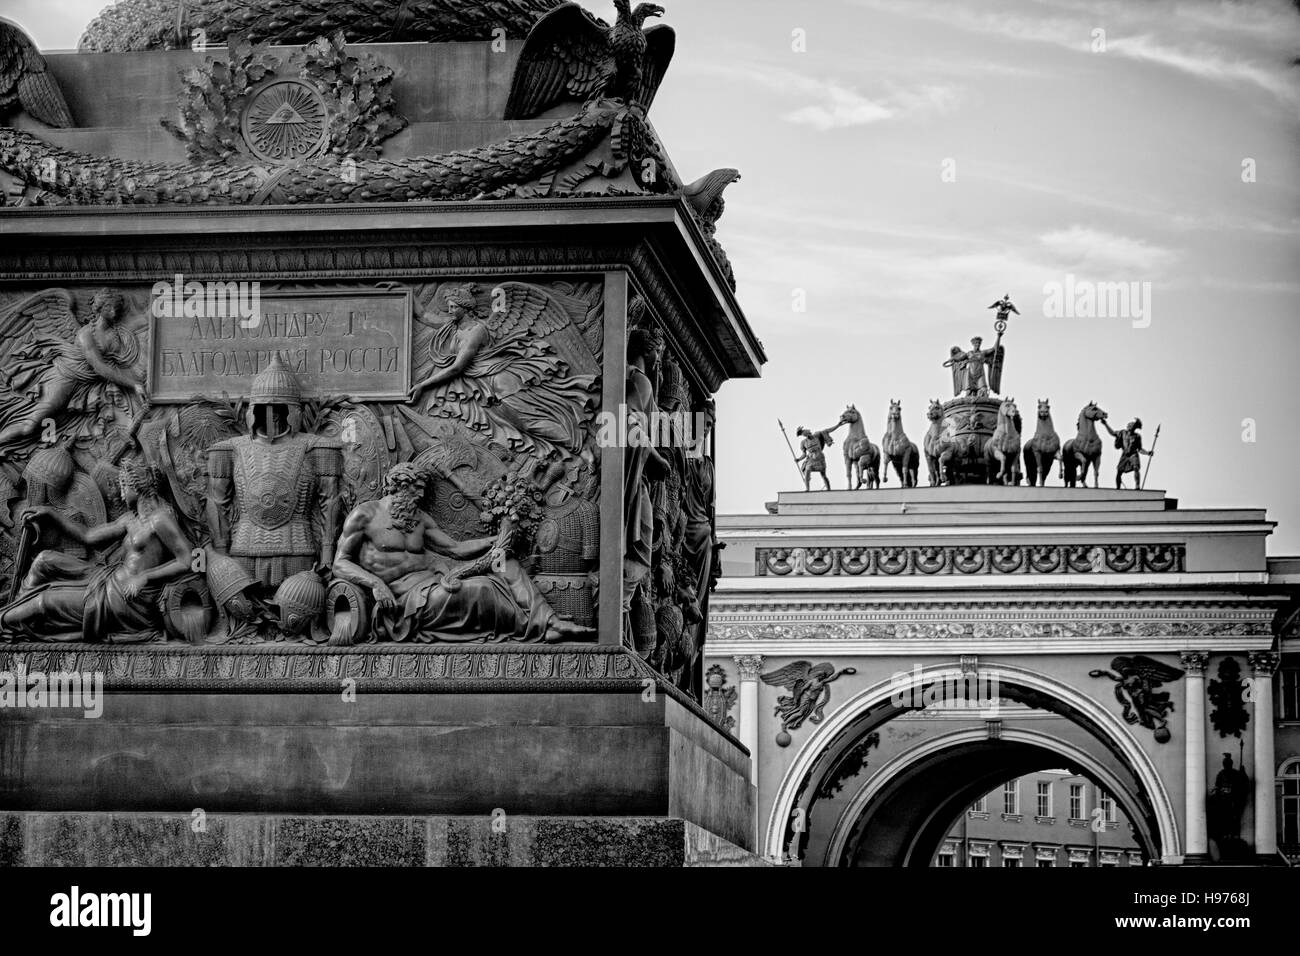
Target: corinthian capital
[[1194, 662], [1263, 663], [750, 665]]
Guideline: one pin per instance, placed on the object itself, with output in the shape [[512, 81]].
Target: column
[[1262, 665], [750, 665], [1197, 846]]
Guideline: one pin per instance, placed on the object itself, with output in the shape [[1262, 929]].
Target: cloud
[[1082, 246], [1260, 51], [839, 107], [835, 105], [1206, 63]]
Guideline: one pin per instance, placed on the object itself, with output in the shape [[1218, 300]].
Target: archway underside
[[907, 819], [944, 797]]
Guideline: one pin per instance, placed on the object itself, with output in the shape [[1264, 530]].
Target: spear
[[1147, 474], [791, 447]]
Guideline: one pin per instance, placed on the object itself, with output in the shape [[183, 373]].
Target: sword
[[1155, 438], [28, 535], [791, 447]]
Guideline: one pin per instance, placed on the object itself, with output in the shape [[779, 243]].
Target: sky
[[906, 162]]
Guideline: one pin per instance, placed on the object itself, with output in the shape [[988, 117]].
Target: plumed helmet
[[301, 599], [276, 385], [51, 468], [226, 577]]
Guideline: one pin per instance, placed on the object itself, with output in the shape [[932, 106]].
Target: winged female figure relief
[[57, 363], [1137, 679], [514, 369], [809, 693]]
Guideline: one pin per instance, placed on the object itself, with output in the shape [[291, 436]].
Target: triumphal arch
[[332, 343], [891, 655]]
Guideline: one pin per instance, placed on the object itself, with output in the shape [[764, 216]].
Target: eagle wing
[[661, 42], [23, 72], [49, 314], [1153, 670], [788, 676], [567, 56]]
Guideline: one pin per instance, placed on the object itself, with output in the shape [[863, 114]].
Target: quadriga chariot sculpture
[[976, 437]]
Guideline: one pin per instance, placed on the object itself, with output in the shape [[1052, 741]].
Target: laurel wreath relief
[[359, 111]]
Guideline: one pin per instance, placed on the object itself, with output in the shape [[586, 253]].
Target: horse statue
[[1043, 448], [898, 450], [1002, 451], [861, 458], [939, 451], [1083, 449]]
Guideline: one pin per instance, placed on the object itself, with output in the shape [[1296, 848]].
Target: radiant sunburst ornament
[[285, 121]]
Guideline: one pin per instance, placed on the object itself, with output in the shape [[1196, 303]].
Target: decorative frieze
[[288, 667], [721, 630], [972, 559]]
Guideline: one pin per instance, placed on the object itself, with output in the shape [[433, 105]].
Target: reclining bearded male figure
[[411, 566]]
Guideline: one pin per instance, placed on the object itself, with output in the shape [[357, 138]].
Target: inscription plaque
[[346, 342]]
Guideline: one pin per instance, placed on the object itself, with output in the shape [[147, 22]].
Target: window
[[1011, 797], [1044, 856], [1288, 693], [1289, 776], [1076, 801], [943, 859], [1013, 862], [1080, 858], [1107, 804], [1044, 799], [980, 806], [1047, 863], [979, 861]]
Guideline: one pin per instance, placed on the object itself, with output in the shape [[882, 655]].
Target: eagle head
[[645, 10]]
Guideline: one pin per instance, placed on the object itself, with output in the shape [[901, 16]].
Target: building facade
[[1130, 640], [1053, 818]]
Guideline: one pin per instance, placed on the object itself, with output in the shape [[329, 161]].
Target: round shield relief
[[286, 120]]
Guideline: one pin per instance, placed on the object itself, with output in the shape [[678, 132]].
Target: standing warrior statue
[[813, 458], [280, 487], [1129, 442]]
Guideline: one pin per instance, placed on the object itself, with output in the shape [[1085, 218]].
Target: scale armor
[[274, 533]]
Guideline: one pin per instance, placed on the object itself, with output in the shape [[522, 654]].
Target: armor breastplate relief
[[274, 492]]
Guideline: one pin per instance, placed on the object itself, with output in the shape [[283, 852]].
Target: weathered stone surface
[[605, 753], [103, 839]]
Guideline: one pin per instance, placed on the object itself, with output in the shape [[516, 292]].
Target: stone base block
[[379, 737], [152, 839]]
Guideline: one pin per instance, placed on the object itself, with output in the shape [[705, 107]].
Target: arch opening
[[1104, 750]]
